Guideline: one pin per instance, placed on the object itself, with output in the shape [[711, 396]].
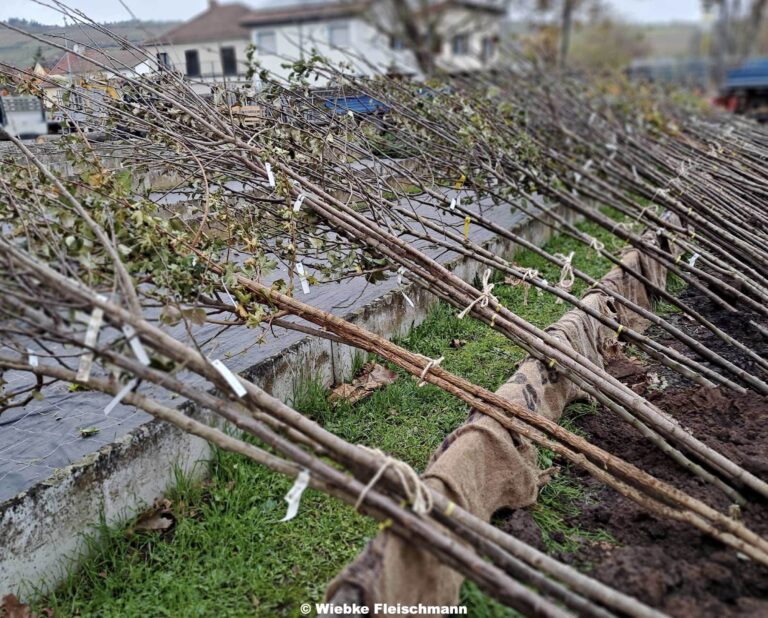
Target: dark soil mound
[[666, 564]]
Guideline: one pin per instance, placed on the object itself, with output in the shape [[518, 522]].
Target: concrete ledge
[[42, 528]]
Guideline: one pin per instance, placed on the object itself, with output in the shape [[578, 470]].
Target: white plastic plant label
[[91, 339], [136, 346], [270, 175], [232, 301], [302, 277], [400, 273], [237, 388], [33, 360], [120, 396], [299, 201], [293, 497]]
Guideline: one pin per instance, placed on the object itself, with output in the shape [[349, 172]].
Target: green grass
[[229, 556]]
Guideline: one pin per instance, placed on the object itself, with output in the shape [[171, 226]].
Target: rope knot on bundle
[[485, 296], [433, 362], [567, 278], [595, 244], [623, 226], [416, 491], [528, 275]]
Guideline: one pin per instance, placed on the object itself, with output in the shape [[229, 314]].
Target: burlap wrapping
[[482, 466]]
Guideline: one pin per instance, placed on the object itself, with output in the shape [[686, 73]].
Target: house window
[[163, 60], [228, 61], [338, 35], [460, 45], [266, 42], [488, 48], [193, 63], [396, 43]]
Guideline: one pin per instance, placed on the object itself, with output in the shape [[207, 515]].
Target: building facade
[[209, 48], [366, 36], [212, 47]]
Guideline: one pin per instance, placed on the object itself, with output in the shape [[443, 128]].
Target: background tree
[[555, 21], [419, 26], [38, 57]]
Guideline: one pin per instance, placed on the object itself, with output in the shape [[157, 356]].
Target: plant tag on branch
[[230, 377], [293, 497], [299, 201], [270, 175], [138, 349], [400, 273], [91, 338], [229, 296], [120, 396], [467, 221], [691, 261], [302, 277], [33, 360]]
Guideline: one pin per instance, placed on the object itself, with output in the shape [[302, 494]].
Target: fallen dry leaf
[[371, 377], [157, 519], [13, 608], [346, 392]]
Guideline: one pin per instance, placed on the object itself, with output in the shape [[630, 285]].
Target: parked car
[[22, 116]]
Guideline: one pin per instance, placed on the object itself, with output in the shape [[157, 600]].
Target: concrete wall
[[42, 529]]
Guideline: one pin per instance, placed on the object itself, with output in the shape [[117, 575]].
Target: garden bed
[[226, 535], [670, 565]]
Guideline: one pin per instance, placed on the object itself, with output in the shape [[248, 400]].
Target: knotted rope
[[416, 491], [433, 362], [595, 244], [567, 277], [485, 296], [621, 225], [528, 274]]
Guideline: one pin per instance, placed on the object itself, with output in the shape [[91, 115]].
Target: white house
[[209, 48], [360, 32]]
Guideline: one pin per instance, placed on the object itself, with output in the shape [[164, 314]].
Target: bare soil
[[669, 565]]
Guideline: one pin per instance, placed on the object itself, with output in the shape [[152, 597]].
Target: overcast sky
[[113, 10]]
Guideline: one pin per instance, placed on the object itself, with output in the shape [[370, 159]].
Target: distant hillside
[[674, 40], [668, 40], [20, 50]]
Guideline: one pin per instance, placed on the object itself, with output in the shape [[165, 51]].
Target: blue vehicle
[[745, 90], [360, 104]]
